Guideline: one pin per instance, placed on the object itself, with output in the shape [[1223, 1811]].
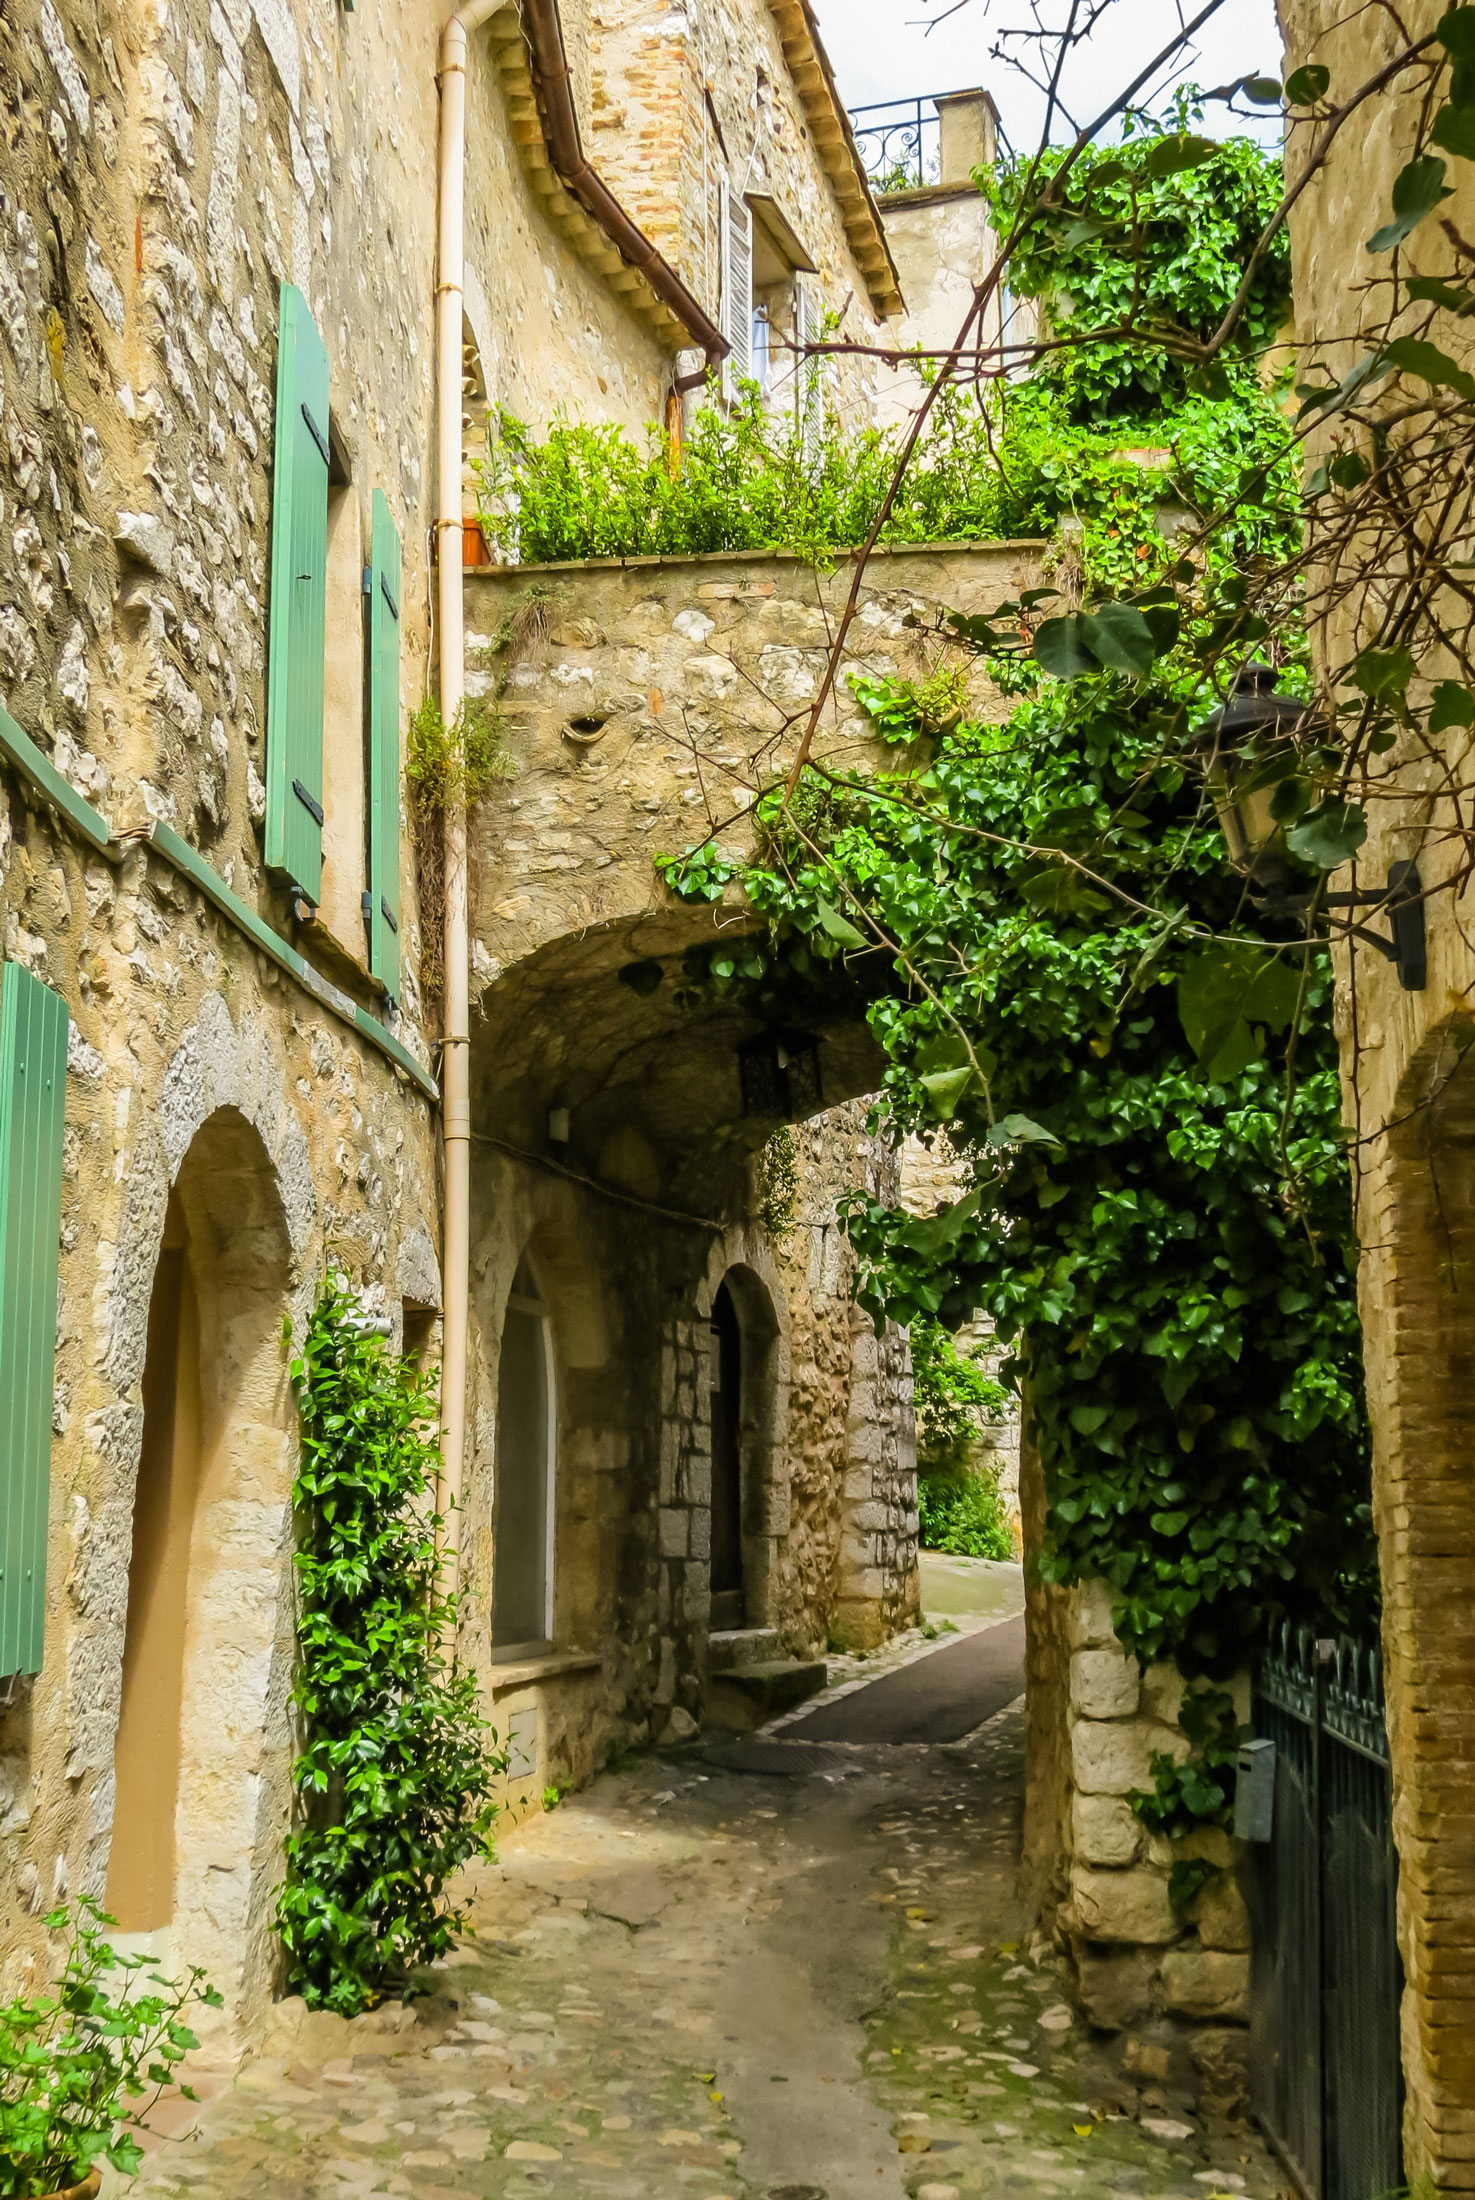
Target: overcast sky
[[883, 49]]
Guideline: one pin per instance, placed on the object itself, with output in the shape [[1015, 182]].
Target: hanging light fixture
[[780, 1077], [1250, 743]]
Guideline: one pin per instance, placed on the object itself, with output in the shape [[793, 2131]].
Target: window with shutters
[[33, 1068], [333, 716], [780, 263]]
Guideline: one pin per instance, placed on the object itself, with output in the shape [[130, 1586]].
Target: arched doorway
[[202, 1754], [140, 1885], [523, 1518], [729, 1591]]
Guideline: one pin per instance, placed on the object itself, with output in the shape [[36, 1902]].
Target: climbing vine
[[397, 1764], [1066, 974]]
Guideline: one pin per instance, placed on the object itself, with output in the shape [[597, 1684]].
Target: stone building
[[688, 1461], [1409, 1094]]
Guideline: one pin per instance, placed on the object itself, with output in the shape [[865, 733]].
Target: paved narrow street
[[732, 1984]]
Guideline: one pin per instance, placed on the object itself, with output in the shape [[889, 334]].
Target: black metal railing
[[900, 142], [1325, 1975]]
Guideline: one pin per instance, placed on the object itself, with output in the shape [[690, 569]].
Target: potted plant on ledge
[[82, 2066]]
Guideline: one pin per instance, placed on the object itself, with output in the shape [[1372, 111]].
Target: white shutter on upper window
[[809, 382], [737, 287]]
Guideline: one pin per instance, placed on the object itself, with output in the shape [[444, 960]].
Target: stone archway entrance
[[729, 1595], [202, 1753]]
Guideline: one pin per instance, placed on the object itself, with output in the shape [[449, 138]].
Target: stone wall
[[642, 700], [160, 174], [829, 1485], [1177, 1975]]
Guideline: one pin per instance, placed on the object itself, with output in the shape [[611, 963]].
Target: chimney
[[968, 140]]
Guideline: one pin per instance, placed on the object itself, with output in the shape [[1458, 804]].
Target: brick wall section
[[1408, 1095]]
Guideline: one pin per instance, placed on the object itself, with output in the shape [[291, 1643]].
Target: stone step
[[750, 1695], [732, 1647]]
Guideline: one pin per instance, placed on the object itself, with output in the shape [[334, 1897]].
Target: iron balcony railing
[[900, 142]]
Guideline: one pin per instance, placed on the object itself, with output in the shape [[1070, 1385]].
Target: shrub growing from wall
[[396, 1771]]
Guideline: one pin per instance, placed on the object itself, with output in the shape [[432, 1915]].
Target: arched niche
[[556, 1492], [202, 1755], [748, 1416]]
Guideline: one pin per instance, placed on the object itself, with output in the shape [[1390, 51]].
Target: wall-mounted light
[[780, 1077], [1249, 743]]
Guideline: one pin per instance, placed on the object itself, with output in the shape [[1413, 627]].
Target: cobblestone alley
[[727, 1985]]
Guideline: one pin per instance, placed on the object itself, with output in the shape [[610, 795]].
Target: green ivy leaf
[[1417, 189], [1435, 291], [1307, 85], [838, 927], [1417, 356], [1020, 1130], [1173, 156], [945, 1088], [1121, 638], [1228, 998], [1454, 129], [1382, 673], [1060, 648], [1450, 705], [1330, 835], [1265, 91]]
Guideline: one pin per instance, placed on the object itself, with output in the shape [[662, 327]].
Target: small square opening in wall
[[418, 1331]]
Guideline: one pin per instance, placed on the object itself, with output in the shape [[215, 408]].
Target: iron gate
[[1325, 1975]]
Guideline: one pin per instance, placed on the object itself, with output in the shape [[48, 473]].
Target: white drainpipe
[[456, 1056]]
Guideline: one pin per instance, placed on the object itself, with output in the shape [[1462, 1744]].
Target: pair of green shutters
[[295, 793]]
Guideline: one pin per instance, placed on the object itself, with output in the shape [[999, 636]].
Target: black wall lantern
[[780, 1075], [1250, 744]]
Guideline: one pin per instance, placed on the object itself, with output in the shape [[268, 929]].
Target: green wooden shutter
[[33, 1075], [384, 748], [299, 590]]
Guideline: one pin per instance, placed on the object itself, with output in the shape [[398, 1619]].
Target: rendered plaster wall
[[161, 172], [943, 244], [1408, 1086]]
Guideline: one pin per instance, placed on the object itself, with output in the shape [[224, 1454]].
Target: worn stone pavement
[[695, 1984]]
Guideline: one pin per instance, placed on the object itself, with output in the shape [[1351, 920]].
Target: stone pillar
[[879, 1589], [967, 134], [1138, 1957]]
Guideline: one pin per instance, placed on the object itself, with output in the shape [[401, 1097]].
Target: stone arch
[[760, 1417], [533, 1226], [203, 1750], [1418, 1292]]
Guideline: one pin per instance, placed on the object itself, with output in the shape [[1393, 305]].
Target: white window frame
[[735, 218], [537, 1308]]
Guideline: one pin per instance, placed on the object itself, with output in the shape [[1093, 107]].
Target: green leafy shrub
[[76, 2063], [962, 1516], [396, 1772], [747, 480]]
